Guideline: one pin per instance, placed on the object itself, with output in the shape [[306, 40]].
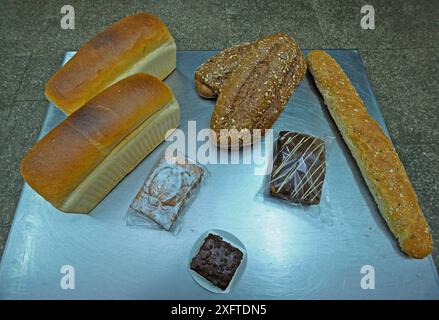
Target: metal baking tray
[[292, 254]]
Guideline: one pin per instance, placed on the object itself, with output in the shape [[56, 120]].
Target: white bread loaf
[[82, 159], [137, 43]]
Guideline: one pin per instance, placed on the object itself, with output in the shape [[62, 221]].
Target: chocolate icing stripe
[[304, 157], [285, 161], [290, 154], [311, 173], [299, 169], [313, 187], [317, 193]]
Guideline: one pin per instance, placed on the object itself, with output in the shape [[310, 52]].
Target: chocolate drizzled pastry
[[166, 191], [257, 90], [299, 168], [217, 261]]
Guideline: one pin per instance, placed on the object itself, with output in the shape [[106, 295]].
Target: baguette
[[375, 155], [137, 43], [82, 159]]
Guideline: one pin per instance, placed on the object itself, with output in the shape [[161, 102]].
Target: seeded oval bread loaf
[[257, 90]]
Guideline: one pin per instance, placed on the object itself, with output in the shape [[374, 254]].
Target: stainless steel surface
[[291, 254]]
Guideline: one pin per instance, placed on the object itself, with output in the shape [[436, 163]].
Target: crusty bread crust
[[62, 159], [204, 90], [210, 77], [257, 90], [375, 155], [99, 61]]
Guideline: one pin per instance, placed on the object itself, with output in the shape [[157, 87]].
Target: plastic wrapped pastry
[[167, 190], [298, 168]]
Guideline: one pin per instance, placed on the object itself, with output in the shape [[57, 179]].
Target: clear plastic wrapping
[[166, 194], [299, 168], [297, 172]]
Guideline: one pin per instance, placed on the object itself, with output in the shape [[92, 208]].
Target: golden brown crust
[[99, 61], [204, 90], [62, 159], [258, 89], [211, 75], [375, 155]]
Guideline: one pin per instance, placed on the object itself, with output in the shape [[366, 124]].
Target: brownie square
[[299, 168], [217, 261]]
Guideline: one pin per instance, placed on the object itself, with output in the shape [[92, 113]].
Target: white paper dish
[[227, 237]]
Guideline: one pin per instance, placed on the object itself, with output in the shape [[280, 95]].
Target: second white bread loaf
[[82, 159]]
